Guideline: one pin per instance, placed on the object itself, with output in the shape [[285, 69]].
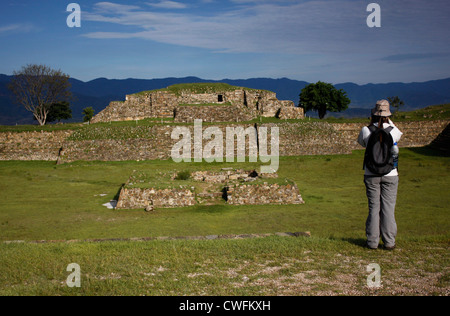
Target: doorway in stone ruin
[[220, 98]]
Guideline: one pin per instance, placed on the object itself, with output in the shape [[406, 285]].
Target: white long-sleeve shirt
[[364, 136]]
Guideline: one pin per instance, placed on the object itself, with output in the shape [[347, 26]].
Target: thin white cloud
[[295, 27], [168, 5], [112, 35], [258, 28], [109, 7], [15, 28]]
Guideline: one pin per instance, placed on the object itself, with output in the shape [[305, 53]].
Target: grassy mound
[[199, 88]]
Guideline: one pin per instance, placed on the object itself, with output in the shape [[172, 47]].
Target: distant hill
[[99, 92]]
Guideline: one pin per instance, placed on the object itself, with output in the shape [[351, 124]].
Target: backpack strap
[[372, 128], [389, 129]]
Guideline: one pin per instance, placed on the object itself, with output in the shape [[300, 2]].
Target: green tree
[[396, 103], [37, 87], [88, 114], [323, 97], [59, 111]]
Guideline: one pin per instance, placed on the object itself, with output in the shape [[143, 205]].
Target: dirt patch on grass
[[346, 276]]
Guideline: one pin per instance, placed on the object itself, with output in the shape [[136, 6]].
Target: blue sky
[[326, 40]]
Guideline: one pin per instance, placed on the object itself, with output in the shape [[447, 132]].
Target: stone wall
[[415, 134], [138, 198], [138, 107], [32, 145], [291, 112], [122, 111], [221, 113], [235, 98], [442, 142], [238, 194], [310, 138], [227, 176], [115, 150], [155, 142], [246, 104], [236, 187], [259, 194]]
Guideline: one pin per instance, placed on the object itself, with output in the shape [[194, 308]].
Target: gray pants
[[382, 196]]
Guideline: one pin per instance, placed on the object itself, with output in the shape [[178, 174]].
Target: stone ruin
[[228, 186], [207, 101]]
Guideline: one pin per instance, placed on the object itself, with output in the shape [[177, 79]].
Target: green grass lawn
[[43, 201], [199, 88]]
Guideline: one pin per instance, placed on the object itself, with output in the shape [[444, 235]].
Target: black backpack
[[378, 157]]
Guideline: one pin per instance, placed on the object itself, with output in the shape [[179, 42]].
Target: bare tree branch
[[37, 87]]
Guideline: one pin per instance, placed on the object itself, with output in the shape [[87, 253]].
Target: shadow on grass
[[361, 242], [116, 197], [210, 209], [428, 151]]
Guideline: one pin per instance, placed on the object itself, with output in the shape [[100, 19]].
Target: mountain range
[[99, 92]]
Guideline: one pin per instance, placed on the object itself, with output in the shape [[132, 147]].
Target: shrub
[[183, 175]]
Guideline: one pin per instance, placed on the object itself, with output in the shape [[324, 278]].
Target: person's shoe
[[371, 248], [389, 248]]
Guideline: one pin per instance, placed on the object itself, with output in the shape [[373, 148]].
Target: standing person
[[381, 176]]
